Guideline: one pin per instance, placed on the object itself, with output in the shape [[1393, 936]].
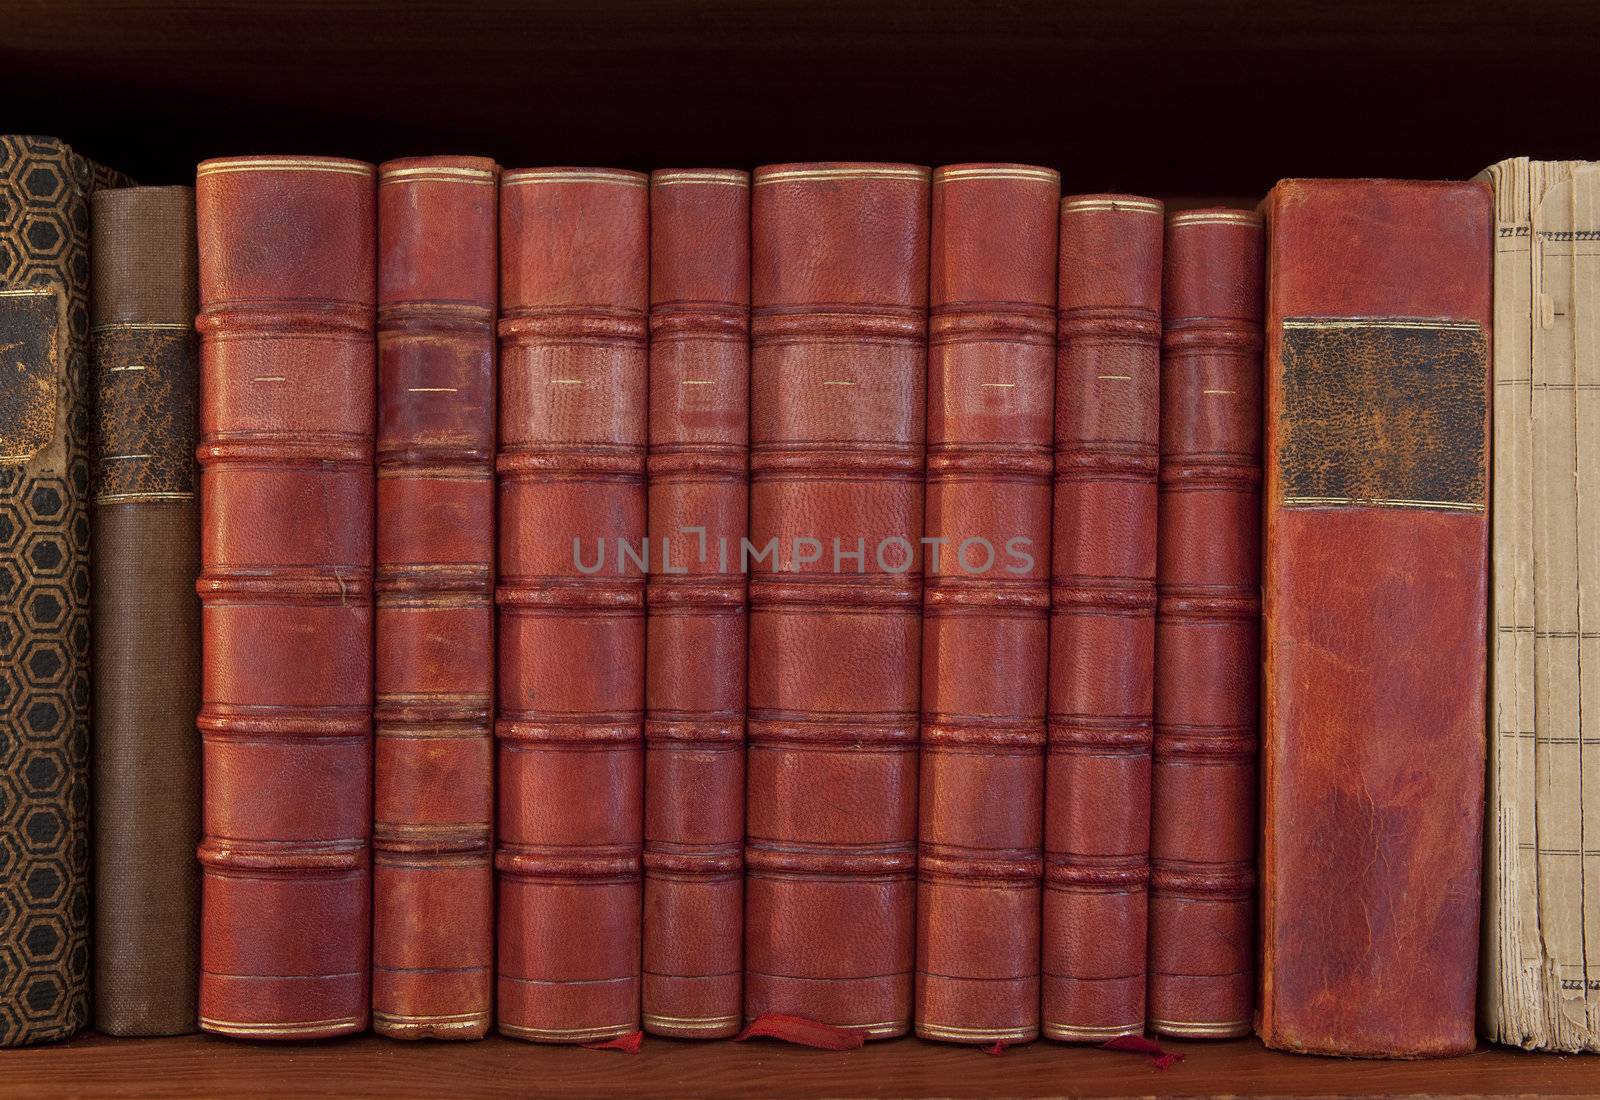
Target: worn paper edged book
[[1541, 941]]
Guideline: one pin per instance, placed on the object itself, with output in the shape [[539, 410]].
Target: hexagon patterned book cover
[[44, 588]]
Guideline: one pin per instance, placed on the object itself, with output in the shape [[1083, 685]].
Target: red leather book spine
[[433, 881], [1208, 583], [839, 284], [1102, 622], [1375, 581], [985, 628], [574, 296], [695, 635], [286, 321]]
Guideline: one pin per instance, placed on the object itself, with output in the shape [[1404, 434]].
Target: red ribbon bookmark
[[1138, 1044], [799, 1030], [628, 1044]]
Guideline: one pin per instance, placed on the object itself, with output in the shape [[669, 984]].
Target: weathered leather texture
[[287, 303], [839, 283], [1208, 579], [1102, 622], [433, 646], [985, 627], [574, 300], [1375, 582], [44, 588], [146, 622], [695, 637]]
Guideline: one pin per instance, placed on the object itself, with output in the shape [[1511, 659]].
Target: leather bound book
[[44, 587], [287, 307], [1102, 619], [839, 284], [1208, 579], [1375, 585], [146, 613], [985, 628], [574, 300], [694, 685], [433, 643]]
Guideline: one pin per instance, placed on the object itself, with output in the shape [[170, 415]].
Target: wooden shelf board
[[196, 1066]]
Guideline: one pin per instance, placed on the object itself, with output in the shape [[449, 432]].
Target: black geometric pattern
[[44, 627]]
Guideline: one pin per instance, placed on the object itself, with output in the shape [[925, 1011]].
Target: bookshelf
[[1170, 97], [218, 1069]]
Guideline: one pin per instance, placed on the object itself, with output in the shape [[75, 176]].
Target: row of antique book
[[834, 591]]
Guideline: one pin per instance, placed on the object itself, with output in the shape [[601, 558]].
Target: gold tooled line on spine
[[691, 1023], [1131, 206], [286, 164], [525, 176], [1043, 175], [441, 174], [304, 1027], [457, 1018], [800, 175], [1225, 1030], [721, 179], [1215, 217], [28, 292], [144, 326], [1380, 322], [992, 1034], [120, 498], [1070, 1031], [572, 1034], [1380, 502]]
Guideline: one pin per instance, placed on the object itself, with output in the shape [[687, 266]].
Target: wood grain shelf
[[195, 1066]]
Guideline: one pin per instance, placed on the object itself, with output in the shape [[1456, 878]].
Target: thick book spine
[[1102, 620], [1375, 587], [839, 284], [1538, 983], [1208, 582], [985, 630], [433, 644], [44, 588], [574, 301], [146, 612], [287, 308], [694, 685]]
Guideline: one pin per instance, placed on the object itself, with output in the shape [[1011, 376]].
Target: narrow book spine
[[574, 300], [839, 282], [44, 588], [1208, 581], [433, 875], [1375, 584], [287, 301], [985, 630], [1102, 628], [146, 613], [694, 685]]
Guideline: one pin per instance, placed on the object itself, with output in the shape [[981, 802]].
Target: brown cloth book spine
[[433, 645], [986, 603], [287, 303], [146, 659], [839, 285], [1208, 582], [573, 393], [44, 587], [693, 967], [1375, 585], [1102, 622]]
